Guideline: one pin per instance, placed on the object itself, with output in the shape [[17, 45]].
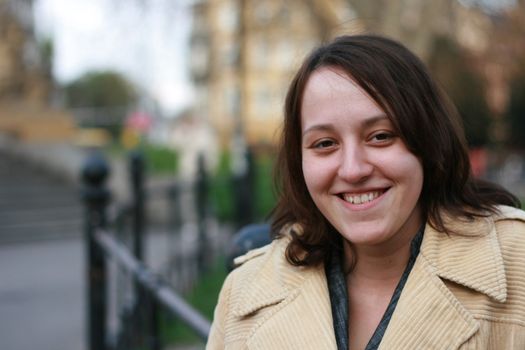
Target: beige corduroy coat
[[465, 291]]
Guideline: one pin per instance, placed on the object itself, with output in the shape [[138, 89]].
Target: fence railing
[[140, 315]]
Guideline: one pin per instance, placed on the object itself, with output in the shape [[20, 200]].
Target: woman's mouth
[[361, 198]]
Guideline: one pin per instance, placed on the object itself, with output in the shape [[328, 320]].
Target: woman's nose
[[354, 165]]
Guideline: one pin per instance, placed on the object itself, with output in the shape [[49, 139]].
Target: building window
[[230, 54], [260, 52], [228, 16]]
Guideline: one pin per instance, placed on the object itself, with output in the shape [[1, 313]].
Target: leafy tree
[[105, 96], [100, 89], [450, 65]]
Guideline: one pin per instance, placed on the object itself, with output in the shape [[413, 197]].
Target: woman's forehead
[[330, 92]]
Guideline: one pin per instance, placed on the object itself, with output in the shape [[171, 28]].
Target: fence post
[[137, 177], [175, 225], [243, 179], [154, 336], [174, 193], [202, 203], [96, 197], [137, 167]]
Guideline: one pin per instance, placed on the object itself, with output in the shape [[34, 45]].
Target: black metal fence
[[137, 320]]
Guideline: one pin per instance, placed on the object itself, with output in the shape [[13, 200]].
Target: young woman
[[384, 239]]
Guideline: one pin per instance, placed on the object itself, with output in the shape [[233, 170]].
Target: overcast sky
[[148, 44]]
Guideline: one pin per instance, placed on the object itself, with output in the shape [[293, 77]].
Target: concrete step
[[35, 205], [15, 215], [25, 201], [46, 230], [35, 185]]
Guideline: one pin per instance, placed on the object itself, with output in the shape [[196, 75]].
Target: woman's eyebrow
[[365, 123], [319, 127], [374, 120]]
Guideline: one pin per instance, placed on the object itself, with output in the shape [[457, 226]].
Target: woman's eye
[[323, 144], [382, 137]]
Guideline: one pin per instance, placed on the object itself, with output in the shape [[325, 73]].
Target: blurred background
[[193, 90]]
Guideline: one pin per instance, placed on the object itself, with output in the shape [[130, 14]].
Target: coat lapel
[[273, 282], [293, 304], [428, 314], [303, 320]]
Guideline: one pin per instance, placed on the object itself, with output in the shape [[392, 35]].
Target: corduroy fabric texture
[[466, 291]]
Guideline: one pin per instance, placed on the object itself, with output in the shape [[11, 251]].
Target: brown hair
[[426, 120]]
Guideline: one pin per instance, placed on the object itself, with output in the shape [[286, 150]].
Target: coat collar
[[428, 314], [288, 290], [427, 310], [469, 256], [271, 281], [456, 257]]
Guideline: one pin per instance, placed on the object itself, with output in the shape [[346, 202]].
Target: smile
[[362, 197]]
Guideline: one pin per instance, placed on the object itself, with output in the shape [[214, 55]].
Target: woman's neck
[[379, 270], [377, 265]]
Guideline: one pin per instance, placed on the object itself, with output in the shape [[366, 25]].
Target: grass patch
[[204, 298], [264, 190]]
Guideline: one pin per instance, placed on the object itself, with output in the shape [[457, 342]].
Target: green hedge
[[161, 159], [222, 191]]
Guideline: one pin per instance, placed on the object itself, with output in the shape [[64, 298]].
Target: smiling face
[[357, 169]]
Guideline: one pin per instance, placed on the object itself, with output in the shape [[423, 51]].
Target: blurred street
[[42, 295]]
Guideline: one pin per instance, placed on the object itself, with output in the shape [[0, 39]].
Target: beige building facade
[[25, 80], [24, 73], [244, 52]]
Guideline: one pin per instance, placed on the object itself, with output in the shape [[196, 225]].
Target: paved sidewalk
[[42, 296]]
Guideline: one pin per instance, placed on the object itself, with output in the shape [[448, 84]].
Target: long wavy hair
[[425, 119]]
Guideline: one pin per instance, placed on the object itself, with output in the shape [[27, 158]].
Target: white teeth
[[361, 198]]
